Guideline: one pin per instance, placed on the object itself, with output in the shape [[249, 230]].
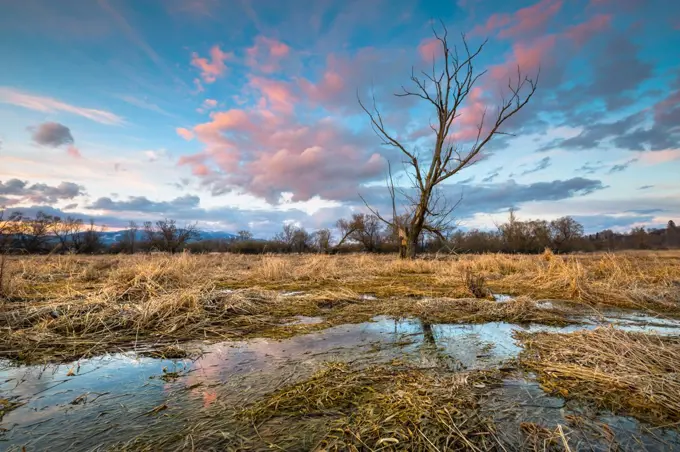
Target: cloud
[[525, 21], [591, 168], [542, 164], [143, 204], [154, 155], [47, 104], [212, 67], [266, 54], [266, 153], [493, 174], [493, 198], [645, 187], [184, 133], [621, 166], [20, 191], [54, 135], [597, 223], [585, 31], [652, 129], [209, 104], [141, 103]]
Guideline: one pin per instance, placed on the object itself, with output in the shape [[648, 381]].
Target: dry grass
[[624, 372], [385, 408], [64, 307]]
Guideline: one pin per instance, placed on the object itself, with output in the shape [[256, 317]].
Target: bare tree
[[322, 240], [287, 235], [564, 231], [34, 233], [174, 238], [346, 228], [244, 235], [66, 231], [131, 235], [368, 231], [446, 88], [91, 238], [150, 236]]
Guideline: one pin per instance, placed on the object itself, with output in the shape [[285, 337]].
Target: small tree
[[322, 240], [173, 238], [130, 236], [34, 233], [565, 231], [67, 232], [446, 89], [244, 235], [92, 238]]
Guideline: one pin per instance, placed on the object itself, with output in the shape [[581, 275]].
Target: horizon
[[245, 117]]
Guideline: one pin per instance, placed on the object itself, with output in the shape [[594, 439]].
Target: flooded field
[[105, 402], [341, 353]]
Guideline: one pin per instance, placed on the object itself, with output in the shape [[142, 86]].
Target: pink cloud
[[268, 152], [74, 152], [184, 133], [47, 104], [528, 56], [532, 18], [658, 157], [212, 67], [330, 85], [585, 31], [209, 103], [522, 22], [200, 169], [266, 54], [277, 95], [493, 23], [430, 49], [198, 85]]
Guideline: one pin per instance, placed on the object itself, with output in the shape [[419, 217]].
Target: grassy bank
[[627, 373]]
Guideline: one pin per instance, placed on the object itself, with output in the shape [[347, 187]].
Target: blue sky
[[243, 114]]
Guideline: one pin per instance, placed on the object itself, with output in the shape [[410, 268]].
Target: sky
[[243, 114]]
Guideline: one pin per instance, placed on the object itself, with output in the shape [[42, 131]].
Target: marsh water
[[97, 403]]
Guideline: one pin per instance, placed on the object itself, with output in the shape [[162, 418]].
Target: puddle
[[502, 298], [117, 397], [304, 320], [521, 400], [293, 293]]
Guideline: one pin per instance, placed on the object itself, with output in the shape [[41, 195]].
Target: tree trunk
[[412, 246]]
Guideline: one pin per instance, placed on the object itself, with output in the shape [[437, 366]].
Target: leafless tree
[[150, 236], [322, 240], [67, 232], [244, 235], [294, 238], [174, 238], [91, 238], [131, 236], [34, 233], [564, 231], [368, 231], [446, 88], [346, 228]]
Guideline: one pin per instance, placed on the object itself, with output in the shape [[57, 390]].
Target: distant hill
[[111, 237]]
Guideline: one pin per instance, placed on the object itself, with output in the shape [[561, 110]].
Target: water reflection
[[113, 398]]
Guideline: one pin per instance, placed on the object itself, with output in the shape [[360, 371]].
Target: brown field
[[66, 307]]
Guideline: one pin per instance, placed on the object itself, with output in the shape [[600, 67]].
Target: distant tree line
[[43, 233]]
